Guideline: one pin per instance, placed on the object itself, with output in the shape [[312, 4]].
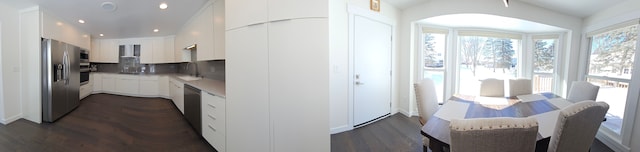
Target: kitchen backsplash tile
[[209, 69]]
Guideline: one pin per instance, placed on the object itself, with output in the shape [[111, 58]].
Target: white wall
[[30, 57], [11, 85], [618, 13], [339, 59], [1, 88], [516, 9]]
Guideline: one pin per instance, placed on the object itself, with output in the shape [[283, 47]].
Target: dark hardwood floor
[[106, 122], [396, 133]]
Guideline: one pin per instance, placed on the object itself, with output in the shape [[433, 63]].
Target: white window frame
[[446, 92], [556, 55], [487, 33], [624, 137]]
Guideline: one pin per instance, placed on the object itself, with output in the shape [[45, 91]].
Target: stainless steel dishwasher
[[192, 109]]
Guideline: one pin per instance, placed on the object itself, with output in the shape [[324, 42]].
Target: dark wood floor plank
[[106, 122]]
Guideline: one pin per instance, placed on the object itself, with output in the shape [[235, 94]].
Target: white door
[[372, 69]]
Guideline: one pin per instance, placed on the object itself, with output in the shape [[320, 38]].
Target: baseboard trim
[[340, 129], [615, 145], [404, 112], [11, 119]]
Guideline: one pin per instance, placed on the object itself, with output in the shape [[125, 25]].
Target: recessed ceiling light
[[109, 6], [81, 21], [155, 30], [163, 6], [101, 34], [59, 23]]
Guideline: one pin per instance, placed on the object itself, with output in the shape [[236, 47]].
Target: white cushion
[[582, 90], [577, 126], [492, 88], [426, 99], [519, 87], [494, 134]]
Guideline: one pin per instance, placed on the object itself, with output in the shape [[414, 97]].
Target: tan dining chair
[[427, 101], [583, 90], [493, 134], [519, 87], [577, 126], [492, 87]]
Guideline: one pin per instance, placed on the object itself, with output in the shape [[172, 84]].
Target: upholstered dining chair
[[577, 126], [427, 101], [582, 90], [519, 87], [492, 87], [493, 134]]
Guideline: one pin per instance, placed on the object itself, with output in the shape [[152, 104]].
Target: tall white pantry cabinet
[[277, 75]]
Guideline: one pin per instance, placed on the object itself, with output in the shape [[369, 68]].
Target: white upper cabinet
[[206, 30], [109, 51], [293, 9], [247, 12], [169, 49], [218, 30], [203, 24], [158, 51], [146, 51], [94, 54], [152, 49], [240, 13]]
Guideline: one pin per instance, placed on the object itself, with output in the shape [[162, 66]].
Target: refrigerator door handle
[[65, 59]]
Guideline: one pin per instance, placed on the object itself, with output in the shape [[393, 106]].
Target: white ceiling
[[403, 4], [578, 8], [132, 18], [490, 22]]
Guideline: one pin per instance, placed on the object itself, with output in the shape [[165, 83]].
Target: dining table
[[545, 107]]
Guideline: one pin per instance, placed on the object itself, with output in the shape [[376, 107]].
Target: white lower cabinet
[[96, 80], [109, 82], [85, 90], [214, 120], [127, 84], [177, 94], [149, 86]]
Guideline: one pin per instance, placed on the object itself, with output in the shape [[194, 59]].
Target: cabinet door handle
[[280, 20], [210, 116], [254, 24], [214, 129]]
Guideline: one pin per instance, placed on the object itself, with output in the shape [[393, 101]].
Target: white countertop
[[211, 86], [215, 87]]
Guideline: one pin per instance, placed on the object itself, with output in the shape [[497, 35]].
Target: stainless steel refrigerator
[[60, 79]]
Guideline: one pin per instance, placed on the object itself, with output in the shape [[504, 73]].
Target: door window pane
[[486, 57], [610, 65], [543, 64], [433, 51]]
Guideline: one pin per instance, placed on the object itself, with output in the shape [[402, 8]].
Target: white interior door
[[372, 70]]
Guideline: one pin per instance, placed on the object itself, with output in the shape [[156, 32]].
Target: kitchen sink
[[189, 78]]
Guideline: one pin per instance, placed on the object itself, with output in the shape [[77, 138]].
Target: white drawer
[[215, 137]]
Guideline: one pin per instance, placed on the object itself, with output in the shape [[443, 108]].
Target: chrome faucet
[[195, 71]]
